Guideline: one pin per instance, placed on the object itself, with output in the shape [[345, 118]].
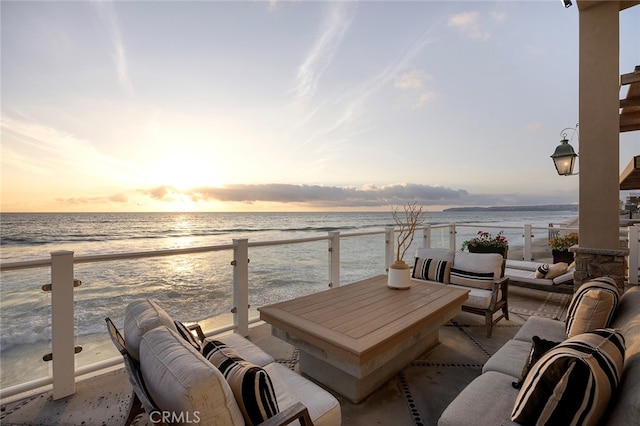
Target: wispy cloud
[[321, 55], [108, 15], [474, 25], [413, 81], [36, 148]]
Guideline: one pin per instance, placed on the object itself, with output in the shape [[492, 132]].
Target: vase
[[565, 256], [399, 275]]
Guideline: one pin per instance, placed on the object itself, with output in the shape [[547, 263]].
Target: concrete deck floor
[[415, 396]]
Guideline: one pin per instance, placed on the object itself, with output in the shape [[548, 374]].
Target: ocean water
[[191, 287]]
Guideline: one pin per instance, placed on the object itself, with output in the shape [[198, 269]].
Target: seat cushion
[[324, 408], [246, 349], [487, 400], [182, 381], [592, 306], [573, 382], [141, 316], [509, 359], [545, 328], [478, 297]]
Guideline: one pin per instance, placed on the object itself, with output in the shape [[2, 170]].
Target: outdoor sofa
[[585, 370], [558, 277], [236, 383], [479, 273]]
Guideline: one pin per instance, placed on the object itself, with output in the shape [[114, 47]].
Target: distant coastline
[[549, 207]]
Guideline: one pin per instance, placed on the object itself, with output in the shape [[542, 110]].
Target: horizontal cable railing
[[63, 282]]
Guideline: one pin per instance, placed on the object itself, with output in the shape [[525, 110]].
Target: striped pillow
[[483, 280], [251, 385], [573, 382], [187, 335], [592, 306], [432, 270]]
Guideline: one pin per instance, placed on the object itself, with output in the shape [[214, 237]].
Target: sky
[[123, 106]]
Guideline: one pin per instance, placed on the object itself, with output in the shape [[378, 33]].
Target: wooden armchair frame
[[501, 289]]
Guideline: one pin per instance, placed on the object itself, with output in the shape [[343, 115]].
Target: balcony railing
[[63, 282]]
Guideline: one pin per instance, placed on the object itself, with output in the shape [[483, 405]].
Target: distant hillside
[[550, 207]]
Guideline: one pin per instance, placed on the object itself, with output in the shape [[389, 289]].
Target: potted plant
[[560, 247], [484, 242], [399, 273]]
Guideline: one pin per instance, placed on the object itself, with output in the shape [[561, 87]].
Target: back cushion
[[141, 316], [184, 383], [477, 270], [573, 382], [592, 306]]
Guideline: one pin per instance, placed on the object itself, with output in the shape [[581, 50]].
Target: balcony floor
[[415, 396]]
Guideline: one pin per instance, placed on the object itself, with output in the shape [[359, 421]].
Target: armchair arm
[[502, 285], [296, 412], [196, 327]]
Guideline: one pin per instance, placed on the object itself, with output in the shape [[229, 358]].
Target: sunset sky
[[289, 106]]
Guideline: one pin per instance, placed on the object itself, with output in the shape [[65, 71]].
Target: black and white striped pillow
[[483, 280], [187, 335], [592, 306], [432, 270], [573, 382], [250, 384]]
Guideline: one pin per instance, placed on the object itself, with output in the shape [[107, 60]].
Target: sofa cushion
[[546, 328], [592, 306], [487, 400], [141, 316], [509, 358], [478, 270], [431, 269], [436, 253], [251, 385], [180, 380], [538, 348], [246, 349], [291, 387], [573, 382], [625, 409]]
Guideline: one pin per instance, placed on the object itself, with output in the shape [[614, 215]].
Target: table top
[[357, 318]]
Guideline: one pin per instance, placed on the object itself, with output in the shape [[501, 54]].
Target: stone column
[[593, 263]]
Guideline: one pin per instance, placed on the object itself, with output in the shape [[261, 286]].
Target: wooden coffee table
[[353, 338]]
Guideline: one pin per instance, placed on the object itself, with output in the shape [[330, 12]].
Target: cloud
[[473, 25], [117, 198], [321, 55], [413, 79], [108, 15]]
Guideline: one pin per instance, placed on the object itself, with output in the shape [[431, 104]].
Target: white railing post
[[634, 253], [426, 236], [241, 286], [528, 251], [452, 236], [334, 259], [390, 244], [62, 329]]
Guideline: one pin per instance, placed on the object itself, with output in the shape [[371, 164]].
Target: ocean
[[191, 287]]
